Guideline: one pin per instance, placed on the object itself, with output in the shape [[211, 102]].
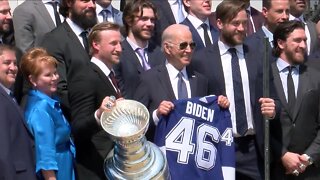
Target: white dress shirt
[[50, 10], [76, 29], [227, 72], [175, 9], [100, 16]]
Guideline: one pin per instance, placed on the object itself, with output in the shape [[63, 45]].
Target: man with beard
[[274, 12], [296, 134], [138, 53], [86, 95], [68, 44], [297, 9], [6, 26], [203, 33], [234, 71]]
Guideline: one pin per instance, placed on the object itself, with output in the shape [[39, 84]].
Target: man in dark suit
[[86, 95], [138, 53], [159, 86], [106, 12], [68, 44], [16, 153], [233, 70], [203, 33], [169, 12], [274, 12], [255, 18], [296, 134], [33, 20], [297, 10]]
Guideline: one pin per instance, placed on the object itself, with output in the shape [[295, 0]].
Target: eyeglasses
[[184, 45]]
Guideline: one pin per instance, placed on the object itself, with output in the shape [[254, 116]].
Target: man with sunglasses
[[235, 71], [159, 86], [138, 54]]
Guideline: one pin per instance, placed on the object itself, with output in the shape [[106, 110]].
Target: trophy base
[[155, 168]]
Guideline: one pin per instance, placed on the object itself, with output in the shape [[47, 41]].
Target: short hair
[[31, 62], [266, 4], [94, 35], [4, 47], [133, 7], [63, 7], [282, 31], [228, 10]]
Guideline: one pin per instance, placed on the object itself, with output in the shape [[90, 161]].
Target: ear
[[281, 43], [186, 3], [95, 46], [219, 24], [70, 3], [166, 48], [32, 80], [264, 12]]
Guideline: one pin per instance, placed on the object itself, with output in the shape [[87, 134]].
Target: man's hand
[[291, 161], [223, 102], [164, 108], [268, 107]]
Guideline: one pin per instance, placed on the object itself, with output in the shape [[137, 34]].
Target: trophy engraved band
[[133, 156]]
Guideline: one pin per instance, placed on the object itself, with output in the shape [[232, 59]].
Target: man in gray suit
[[295, 136], [106, 12], [33, 19]]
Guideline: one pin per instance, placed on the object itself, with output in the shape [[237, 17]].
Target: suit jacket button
[[294, 124]]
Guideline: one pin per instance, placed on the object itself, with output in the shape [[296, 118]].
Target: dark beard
[[82, 20], [228, 37]]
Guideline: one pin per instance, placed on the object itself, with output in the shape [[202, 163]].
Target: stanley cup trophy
[[133, 156]]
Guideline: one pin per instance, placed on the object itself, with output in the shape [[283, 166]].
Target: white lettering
[[200, 111]]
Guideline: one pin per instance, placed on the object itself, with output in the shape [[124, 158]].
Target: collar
[[197, 22], [7, 90], [75, 28], [104, 68], [172, 2], [100, 8], [224, 48], [48, 1], [248, 10], [282, 65], [291, 17], [134, 46], [267, 33], [53, 102], [173, 72]]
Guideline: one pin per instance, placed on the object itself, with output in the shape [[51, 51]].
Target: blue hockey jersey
[[196, 138]]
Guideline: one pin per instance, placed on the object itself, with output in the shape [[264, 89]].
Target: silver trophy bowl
[[133, 156]]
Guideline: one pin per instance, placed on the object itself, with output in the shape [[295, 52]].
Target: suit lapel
[[196, 37], [313, 33], [133, 59], [164, 79], [278, 86], [103, 77], [252, 72], [74, 39], [193, 80], [217, 65], [302, 88], [167, 12], [40, 7], [117, 16]]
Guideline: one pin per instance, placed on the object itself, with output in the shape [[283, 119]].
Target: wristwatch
[[309, 159]]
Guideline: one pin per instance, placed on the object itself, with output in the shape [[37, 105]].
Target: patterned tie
[[240, 108], [105, 14], [115, 83], [206, 35], [141, 53], [55, 11], [84, 37], [182, 87], [291, 90], [250, 29]]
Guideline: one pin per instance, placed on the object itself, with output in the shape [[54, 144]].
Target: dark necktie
[[145, 64], [55, 11], [206, 35], [115, 83], [291, 90], [85, 40], [240, 108], [12, 96], [105, 13], [182, 87], [250, 29]]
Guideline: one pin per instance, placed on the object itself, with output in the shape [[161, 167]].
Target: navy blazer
[[155, 87], [129, 69], [196, 36], [17, 161]]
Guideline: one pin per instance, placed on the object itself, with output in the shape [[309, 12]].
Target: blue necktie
[[12, 96], [105, 13], [180, 11], [240, 108], [145, 64], [84, 37], [182, 87]]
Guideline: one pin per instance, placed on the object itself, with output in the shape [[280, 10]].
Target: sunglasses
[[184, 45]]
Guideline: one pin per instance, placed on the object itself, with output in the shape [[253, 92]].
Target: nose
[[303, 45], [285, 15], [91, 4], [119, 48], [8, 15], [55, 76]]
